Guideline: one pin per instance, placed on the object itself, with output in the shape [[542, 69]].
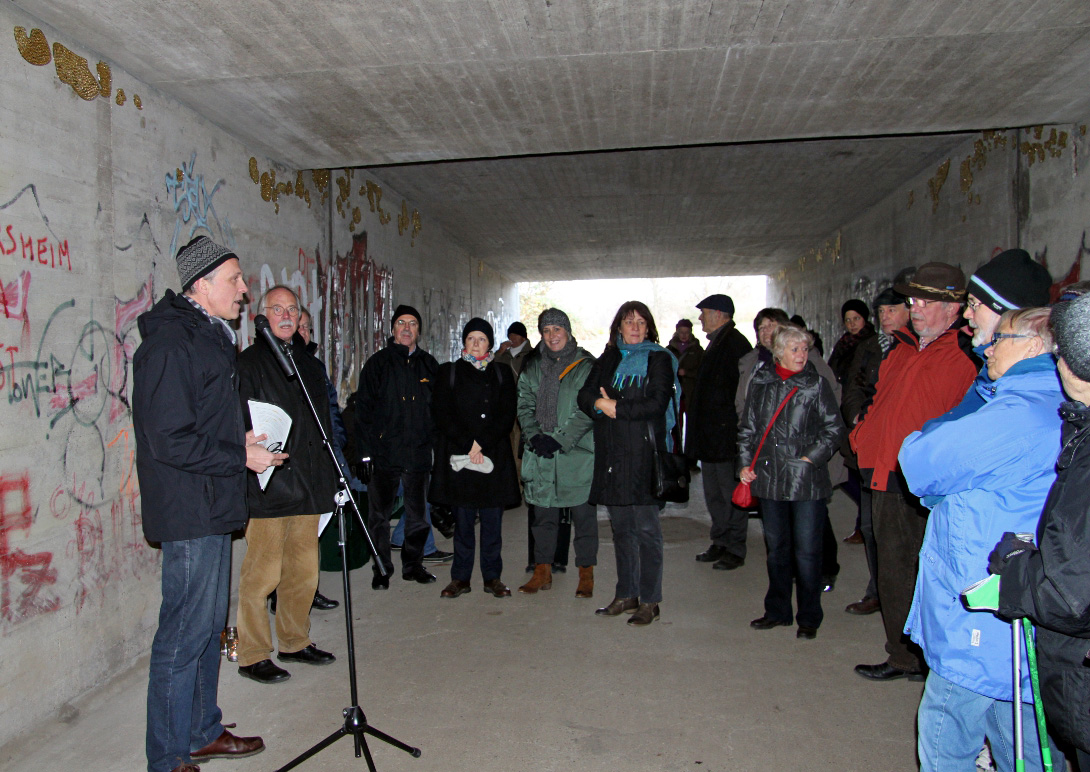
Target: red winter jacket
[[913, 387]]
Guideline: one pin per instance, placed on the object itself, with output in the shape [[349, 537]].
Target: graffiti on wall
[[194, 207]]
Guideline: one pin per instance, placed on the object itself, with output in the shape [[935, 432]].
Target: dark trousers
[[563, 536], [864, 521], [546, 526], [729, 524], [829, 564], [381, 492], [183, 714], [465, 542], [899, 524], [637, 546], [793, 539]]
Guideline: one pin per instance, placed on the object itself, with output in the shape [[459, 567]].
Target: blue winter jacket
[[993, 468]]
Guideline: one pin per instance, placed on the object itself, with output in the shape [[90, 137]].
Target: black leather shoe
[[806, 633], [418, 574], [887, 672], [712, 554], [322, 603], [311, 655], [264, 672], [617, 606], [767, 623], [828, 583], [728, 562], [380, 582], [437, 556]]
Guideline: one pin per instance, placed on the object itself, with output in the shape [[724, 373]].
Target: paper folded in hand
[[458, 463]]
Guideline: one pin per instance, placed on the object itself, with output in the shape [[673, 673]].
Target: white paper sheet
[[273, 421]]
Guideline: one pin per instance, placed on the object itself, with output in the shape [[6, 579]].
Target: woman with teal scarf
[[632, 387]]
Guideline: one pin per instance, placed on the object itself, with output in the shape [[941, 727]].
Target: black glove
[[363, 470], [543, 446], [1010, 545]]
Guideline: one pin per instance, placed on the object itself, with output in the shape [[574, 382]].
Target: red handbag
[[743, 497]]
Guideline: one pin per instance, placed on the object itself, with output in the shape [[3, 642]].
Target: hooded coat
[[1051, 585], [993, 468], [190, 438], [809, 425], [563, 480]]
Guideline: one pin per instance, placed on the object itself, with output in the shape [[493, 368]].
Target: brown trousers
[[281, 555]]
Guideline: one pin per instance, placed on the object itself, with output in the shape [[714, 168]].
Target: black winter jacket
[[480, 407], [622, 447], [190, 440], [809, 425], [306, 482], [1051, 585], [394, 425], [712, 420]]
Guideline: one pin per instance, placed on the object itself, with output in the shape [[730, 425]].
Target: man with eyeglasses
[[282, 537], [924, 376], [394, 430]]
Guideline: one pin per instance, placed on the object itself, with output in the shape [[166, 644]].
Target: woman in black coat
[[790, 478], [473, 405], [631, 386]]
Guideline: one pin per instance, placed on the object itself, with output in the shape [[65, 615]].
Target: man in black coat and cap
[[711, 434]]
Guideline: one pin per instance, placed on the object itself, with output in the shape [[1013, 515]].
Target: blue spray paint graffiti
[[193, 206]]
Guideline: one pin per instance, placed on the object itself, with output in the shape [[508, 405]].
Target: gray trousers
[[585, 522], [729, 524]]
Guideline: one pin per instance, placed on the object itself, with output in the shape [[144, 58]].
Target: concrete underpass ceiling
[[595, 138]]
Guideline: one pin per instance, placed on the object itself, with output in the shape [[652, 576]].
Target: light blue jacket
[[993, 468]]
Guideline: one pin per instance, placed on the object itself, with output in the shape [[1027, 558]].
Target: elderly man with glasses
[[924, 376], [985, 473]]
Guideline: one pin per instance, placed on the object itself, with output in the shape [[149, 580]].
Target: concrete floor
[[539, 683]]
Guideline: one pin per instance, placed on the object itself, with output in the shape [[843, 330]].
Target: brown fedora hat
[[935, 281]]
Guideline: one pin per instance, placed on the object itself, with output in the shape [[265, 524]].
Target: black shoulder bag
[[670, 471]]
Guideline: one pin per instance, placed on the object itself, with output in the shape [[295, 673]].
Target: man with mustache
[[282, 537]]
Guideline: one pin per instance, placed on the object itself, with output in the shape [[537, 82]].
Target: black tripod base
[[355, 724]]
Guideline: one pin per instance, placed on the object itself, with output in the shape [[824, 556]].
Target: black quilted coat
[[809, 425]]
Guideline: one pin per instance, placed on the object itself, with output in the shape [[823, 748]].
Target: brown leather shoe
[[541, 580], [586, 582], [186, 768], [227, 746], [855, 537], [645, 614], [617, 606], [455, 588], [497, 588], [864, 607]]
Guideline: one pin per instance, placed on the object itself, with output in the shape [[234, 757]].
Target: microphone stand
[[355, 722]]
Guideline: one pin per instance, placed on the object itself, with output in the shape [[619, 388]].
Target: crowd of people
[[955, 424]]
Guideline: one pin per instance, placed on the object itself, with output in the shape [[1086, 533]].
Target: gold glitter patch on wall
[[301, 190], [73, 70], [255, 174], [911, 199], [120, 98], [934, 185], [268, 185], [105, 78], [320, 178], [357, 217], [374, 200], [136, 101], [34, 48]]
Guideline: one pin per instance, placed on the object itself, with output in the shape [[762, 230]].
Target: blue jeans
[[185, 655], [793, 539], [637, 546], [953, 723], [465, 542], [398, 536]]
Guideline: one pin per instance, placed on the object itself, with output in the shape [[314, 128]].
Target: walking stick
[[1019, 741], [1038, 708]]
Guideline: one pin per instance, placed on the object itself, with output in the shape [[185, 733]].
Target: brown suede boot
[[586, 582], [541, 580]]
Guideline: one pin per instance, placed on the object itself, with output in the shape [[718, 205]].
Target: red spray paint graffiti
[[25, 578]]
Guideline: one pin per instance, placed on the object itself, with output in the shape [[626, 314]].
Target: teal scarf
[[632, 371]]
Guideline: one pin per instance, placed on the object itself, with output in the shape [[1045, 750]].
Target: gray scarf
[[552, 365]]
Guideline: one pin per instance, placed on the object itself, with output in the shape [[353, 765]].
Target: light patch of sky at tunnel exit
[[592, 303]]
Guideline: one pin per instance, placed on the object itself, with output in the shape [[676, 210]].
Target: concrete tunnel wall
[[1020, 188], [103, 177]]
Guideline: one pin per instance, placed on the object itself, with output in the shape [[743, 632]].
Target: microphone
[[261, 323]]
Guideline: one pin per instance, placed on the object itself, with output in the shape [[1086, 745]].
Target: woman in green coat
[[558, 463]]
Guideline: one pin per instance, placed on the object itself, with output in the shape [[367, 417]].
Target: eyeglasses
[[996, 337], [292, 311], [406, 323], [921, 302], [973, 305]]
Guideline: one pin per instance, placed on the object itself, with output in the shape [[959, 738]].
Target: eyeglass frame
[[998, 336], [293, 311]]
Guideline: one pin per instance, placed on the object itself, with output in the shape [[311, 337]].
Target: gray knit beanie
[[553, 316], [199, 258], [1070, 322]]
